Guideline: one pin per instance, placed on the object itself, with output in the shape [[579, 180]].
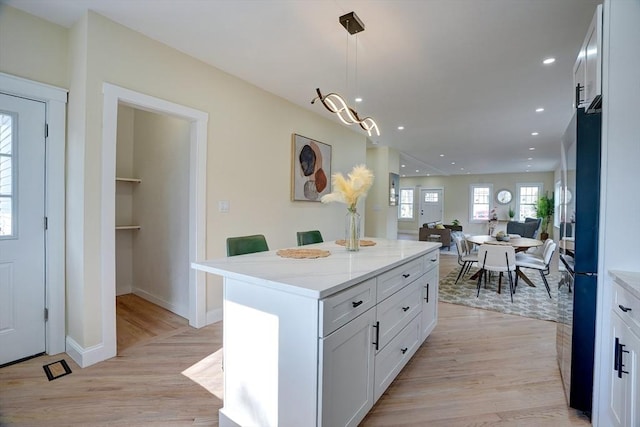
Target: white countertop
[[630, 280], [320, 277]]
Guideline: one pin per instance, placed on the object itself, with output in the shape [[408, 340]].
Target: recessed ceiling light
[[453, 163], [539, 110], [528, 166], [461, 169], [402, 166], [417, 170], [530, 158], [534, 133], [428, 174], [400, 127], [531, 148], [404, 176], [358, 99], [441, 155], [549, 61]]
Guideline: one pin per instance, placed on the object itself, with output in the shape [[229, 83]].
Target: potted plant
[[512, 213], [455, 222], [544, 210]]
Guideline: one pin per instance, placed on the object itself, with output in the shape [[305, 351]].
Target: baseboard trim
[[86, 356], [180, 311]]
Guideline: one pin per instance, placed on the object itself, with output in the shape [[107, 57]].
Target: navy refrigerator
[[579, 217]]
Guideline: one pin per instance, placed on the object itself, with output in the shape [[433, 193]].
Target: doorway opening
[[152, 225], [114, 98]]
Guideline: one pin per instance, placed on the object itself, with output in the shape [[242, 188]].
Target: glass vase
[[352, 231]]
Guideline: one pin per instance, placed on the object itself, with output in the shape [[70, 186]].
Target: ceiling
[[464, 77]]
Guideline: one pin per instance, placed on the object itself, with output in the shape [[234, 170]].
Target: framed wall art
[[311, 169]]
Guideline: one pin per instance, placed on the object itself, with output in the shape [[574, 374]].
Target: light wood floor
[[478, 368]]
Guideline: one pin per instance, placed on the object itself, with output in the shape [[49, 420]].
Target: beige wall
[[33, 48], [456, 195], [382, 219], [161, 207], [249, 145]]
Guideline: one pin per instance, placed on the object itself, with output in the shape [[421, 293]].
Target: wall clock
[[503, 197]]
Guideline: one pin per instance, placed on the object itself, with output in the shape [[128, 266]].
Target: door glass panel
[[6, 176]]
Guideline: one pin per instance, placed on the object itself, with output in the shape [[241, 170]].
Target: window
[[480, 203], [528, 195], [405, 210], [6, 176]]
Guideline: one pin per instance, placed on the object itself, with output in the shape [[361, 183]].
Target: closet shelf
[[135, 180], [127, 227]]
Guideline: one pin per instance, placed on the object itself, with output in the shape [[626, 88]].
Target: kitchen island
[[315, 342]]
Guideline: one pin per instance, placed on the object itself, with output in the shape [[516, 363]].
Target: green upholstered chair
[[246, 244], [309, 237]]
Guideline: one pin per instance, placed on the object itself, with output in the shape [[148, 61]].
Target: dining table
[[519, 243]]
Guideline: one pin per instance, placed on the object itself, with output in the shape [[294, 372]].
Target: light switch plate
[[223, 206]]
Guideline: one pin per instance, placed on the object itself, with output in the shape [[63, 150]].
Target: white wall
[[620, 175]]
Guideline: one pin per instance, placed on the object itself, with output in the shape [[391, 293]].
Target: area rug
[[57, 369], [527, 301]]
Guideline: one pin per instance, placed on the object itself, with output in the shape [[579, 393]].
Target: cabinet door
[[579, 78], [624, 375], [617, 400], [429, 315], [346, 373]]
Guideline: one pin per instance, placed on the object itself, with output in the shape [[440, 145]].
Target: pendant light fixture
[[336, 103]]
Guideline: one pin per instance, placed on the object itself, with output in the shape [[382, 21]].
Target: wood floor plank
[[478, 368]]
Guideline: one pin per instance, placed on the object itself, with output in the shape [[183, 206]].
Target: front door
[[22, 228], [430, 205]]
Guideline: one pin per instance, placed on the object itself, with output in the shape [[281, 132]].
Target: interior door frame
[[55, 100], [114, 95]]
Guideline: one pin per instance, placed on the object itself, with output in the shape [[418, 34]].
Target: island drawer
[[344, 306], [431, 260], [397, 278], [392, 359], [395, 312], [628, 308]]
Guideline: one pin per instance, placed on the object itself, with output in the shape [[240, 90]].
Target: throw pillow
[[440, 226]]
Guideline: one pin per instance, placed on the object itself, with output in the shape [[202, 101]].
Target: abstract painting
[[311, 174]]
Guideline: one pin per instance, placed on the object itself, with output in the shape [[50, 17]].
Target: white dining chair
[[497, 258], [465, 258], [537, 263]]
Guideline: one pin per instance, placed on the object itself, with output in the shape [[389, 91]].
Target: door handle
[[377, 326], [623, 308], [427, 297], [356, 303]]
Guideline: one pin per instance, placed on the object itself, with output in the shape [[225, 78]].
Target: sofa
[[436, 232], [528, 228]]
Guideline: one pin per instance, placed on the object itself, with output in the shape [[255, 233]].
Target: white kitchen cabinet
[[347, 372], [587, 70], [624, 400], [429, 313], [317, 342]]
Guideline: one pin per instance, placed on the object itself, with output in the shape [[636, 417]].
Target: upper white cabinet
[[587, 71]]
